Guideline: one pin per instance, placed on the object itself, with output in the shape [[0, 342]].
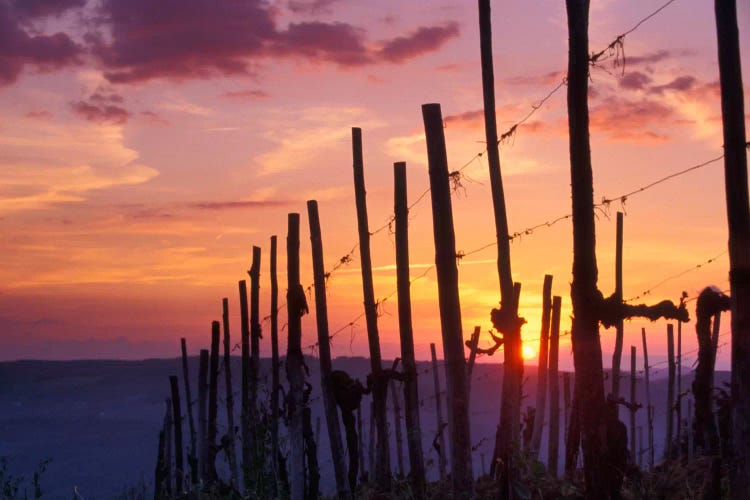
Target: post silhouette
[[229, 450], [541, 390], [554, 388], [275, 365], [193, 454], [179, 467], [619, 333], [462, 480], [649, 411], [324, 354], [439, 415]]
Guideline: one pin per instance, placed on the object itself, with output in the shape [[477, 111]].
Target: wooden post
[[275, 378], [459, 426], [230, 450], [619, 332], [678, 408], [508, 435], [361, 444], [296, 307], [649, 411], [690, 430], [554, 388], [168, 448], [473, 343], [192, 456], [587, 351], [439, 414], [573, 433], [245, 417], [202, 415], [632, 404], [213, 402], [160, 470], [408, 361], [324, 352], [670, 392], [177, 418], [397, 428], [715, 332], [255, 334], [541, 389], [738, 215], [380, 383]]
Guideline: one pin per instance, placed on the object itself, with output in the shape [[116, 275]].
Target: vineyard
[[246, 430]]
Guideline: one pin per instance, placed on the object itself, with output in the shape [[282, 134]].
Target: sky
[[145, 147]]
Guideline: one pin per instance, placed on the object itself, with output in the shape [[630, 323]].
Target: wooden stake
[[177, 419], [554, 388], [397, 428], [193, 454], [439, 414], [296, 307], [230, 450], [473, 343], [408, 361], [202, 413], [541, 389], [324, 354], [168, 448], [255, 336], [617, 355], [649, 411], [275, 378], [670, 392], [160, 470], [738, 215], [380, 384], [459, 426], [245, 417], [678, 408], [213, 400], [632, 404]]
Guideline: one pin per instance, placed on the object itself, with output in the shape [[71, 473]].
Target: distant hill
[[99, 420]]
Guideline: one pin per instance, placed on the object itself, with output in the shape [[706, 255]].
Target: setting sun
[[528, 352]]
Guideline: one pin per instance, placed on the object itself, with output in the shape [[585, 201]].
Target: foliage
[[14, 487]]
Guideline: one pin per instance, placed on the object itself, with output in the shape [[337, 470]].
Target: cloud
[[680, 84], [623, 119], [153, 118], [18, 48], [43, 163], [41, 114], [311, 6], [424, 40], [100, 111], [140, 40], [635, 80], [550, 78], [236, 205], [251, 94], [33, 9]]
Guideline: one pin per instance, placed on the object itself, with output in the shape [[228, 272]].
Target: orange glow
[[528, 352]]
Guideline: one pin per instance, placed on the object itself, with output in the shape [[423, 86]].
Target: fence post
[[177, 418], [649, 411], [439, 414], [541, 390], [213, 402], [670, 391], [192, 456], [324, 353], [230, 451], [632, 404], [202, 415], [619, 332], [408, 361], [245, 418], [380, 383], [554, 388], [275, 377]]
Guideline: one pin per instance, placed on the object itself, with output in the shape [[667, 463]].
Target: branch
[[612, 310]]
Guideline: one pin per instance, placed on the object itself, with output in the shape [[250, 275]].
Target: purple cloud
[[635, 80], [18, 48], [100, 113], [246, 94], [33, 9], [423, 40]]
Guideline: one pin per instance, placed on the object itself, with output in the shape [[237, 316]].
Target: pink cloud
[[153, 118], [246, 94], [42, 114], [101, 113], [635, 80], [424, 40], [18, 48], [32, 9]]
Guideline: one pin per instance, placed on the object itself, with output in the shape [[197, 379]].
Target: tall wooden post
[[245, 417], [296, 307], [715, 332], [649, 411], [213, 402], [168, 448], [275, 378], [738, 216], [439, 414], [670, 392], [587, 351], [632, 404], [202, 413], [380, 383], [160, 470], [324, 353], [397, 427], [541, 390], [408, 361], [678, 408], [192, 455], [617, 355], [255, 335], [459, 426], [554, 388], [179, 467], [230, 450], [508, 436]]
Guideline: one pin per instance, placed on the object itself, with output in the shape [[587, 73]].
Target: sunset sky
[[145, 147]]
